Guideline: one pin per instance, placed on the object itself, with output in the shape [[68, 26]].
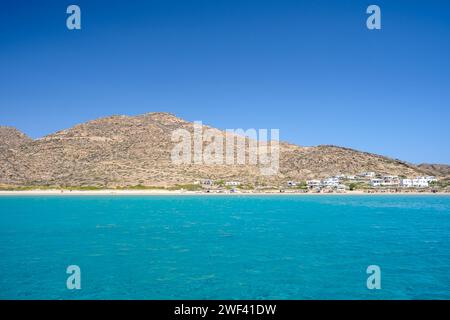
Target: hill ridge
[[121, 150]]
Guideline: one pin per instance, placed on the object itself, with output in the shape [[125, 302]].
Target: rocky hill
[[11, 138], [135, 150], [440, 170]]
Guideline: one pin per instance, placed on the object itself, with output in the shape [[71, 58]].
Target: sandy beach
[[154, 192]]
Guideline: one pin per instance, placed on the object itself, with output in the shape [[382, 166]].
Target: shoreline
[[113, 192]]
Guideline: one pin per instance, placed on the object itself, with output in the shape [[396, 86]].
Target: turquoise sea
[[225, 247]]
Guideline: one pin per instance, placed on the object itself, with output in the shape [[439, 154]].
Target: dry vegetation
[[134, 152]]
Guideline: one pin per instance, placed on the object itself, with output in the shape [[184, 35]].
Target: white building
[[376, 182], [291, 183], [420, 182], [390, 181], [331, 182], [368, 174], [232, 183], [407, 183]]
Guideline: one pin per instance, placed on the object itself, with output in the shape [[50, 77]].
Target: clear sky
[[310, 68]]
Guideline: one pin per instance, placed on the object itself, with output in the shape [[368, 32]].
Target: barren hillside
[[132, 150]]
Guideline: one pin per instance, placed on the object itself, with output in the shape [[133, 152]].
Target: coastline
[[113, 192]]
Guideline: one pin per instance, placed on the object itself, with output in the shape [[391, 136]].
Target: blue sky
[[310, 68]]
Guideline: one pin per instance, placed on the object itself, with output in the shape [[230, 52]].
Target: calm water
[[221, 247]]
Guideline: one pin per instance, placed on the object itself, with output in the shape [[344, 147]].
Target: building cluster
[[419, 182], [337, 183], [371, 178], [334, 182], [389, 181]]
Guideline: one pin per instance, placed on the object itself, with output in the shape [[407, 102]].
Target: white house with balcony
[[406, 183], [420, 182], [390, 181], [376, 182], [331, 182]]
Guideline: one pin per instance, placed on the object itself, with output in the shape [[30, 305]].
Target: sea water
[[225, 247]]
